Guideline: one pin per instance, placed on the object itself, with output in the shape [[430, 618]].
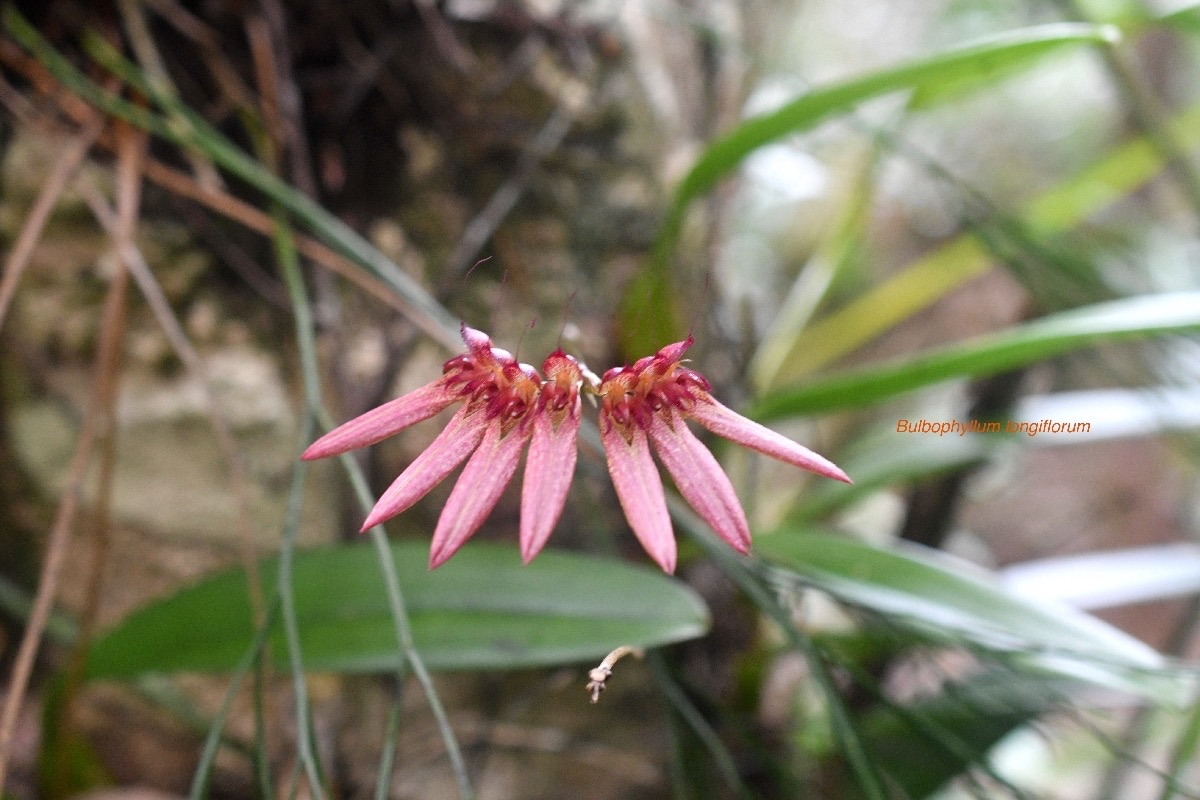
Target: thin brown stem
[[60, 532], [182, 346], [66, 165], [254, 219], [211, 196], [131, 150]]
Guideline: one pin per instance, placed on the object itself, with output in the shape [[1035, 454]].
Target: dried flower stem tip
[[598, 676]]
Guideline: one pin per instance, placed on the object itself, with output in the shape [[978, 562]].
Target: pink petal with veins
[[549, 469], [382, 422], [477, 491], [733, 426], [640, 490], [427, 470], [701, 480]]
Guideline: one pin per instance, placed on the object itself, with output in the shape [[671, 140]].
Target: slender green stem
[[306, 342], [208, 754], [383, 780], [262, 759], [741, 573], [293, 792], [289, 265], [722, 759], [305, 744], [1184, 754], [404, 636]]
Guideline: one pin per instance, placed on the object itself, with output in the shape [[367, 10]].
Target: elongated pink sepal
[[382, 422], [447, 451], [640, 490], [477, 491], [549, 468], [733, 426], [701, 480]]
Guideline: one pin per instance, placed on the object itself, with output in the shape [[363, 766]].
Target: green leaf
[[953, 86], [951, 601], [987, 355], [727, 152], [952, 264], [885, 459], [1186, 17], [481, 610], [926, 744], [68, 764]]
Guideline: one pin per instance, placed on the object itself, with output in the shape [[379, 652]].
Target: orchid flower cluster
[[507, 404]]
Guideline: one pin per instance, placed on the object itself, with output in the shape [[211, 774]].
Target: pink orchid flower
[[649, 402], [505, 405]]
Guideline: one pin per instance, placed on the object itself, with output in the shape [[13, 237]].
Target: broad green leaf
[[974, 77], [955, 602], [726, 153], [481, 610], [1020, 345]]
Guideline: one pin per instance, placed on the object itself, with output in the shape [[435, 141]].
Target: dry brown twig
[[147, 51], [130, 153], [256, 220], [111, 330], [220, 201], [182, 346], [35, 222]]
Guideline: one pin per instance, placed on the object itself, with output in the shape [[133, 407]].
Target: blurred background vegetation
[[229, 225]]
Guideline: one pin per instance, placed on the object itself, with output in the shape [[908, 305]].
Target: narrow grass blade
[[648, 301], [952, 264], [1177, 312]]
